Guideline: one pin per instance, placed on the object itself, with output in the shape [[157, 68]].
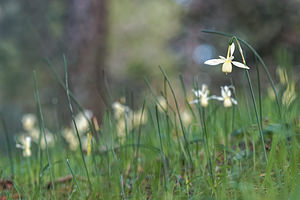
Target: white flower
[[25, 145], [121, 111], [50, 139], [139, 118], [162, 104], [28, 121], [81, 121], [202, 96], [70, 138], [227, 62], [186, 117], [226, 96]]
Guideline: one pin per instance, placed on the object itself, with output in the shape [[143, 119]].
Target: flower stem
[[257, 117], [73, 175], [73, 119], [163, 157], [179, 116], [40, 113], [259, 59], [8, 147]]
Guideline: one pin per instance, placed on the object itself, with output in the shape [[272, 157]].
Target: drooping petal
[[232, 48], [223, 93], [228, 92], [214, 61], [216, 98], [240, 65], [234, 101], [194, 101]]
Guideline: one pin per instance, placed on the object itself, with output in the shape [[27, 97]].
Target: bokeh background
[[125, 41]]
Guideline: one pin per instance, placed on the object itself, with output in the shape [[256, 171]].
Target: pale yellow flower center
[[204, 101], [227, 102], [227, 67]]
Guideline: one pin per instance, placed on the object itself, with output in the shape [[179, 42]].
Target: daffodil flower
[[227, 62], [226, 96], [25, 145], [202, 96]]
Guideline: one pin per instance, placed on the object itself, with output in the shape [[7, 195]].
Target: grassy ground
[[170, 149]]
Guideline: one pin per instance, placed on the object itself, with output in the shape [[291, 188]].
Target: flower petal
[[234, 101], [223, 92], [214, 61], [216, 98], [232, 48], [240, 65], [197, 93], [222, 57], [194, 101]]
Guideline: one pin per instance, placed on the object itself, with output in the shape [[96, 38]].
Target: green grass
[[218, 154]]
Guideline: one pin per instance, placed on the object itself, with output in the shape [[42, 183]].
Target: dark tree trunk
[[86, 32]]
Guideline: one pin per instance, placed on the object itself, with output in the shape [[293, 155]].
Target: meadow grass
[[237, 152]]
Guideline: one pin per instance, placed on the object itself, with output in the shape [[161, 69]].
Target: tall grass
[[215, 154]]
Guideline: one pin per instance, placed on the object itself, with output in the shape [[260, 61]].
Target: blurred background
[[124, 41]]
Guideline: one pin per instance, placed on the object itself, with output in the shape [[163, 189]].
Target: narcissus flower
[[29, 121], [202, 96], [82, 123], [227, 62], [226, 96], [25, 145]]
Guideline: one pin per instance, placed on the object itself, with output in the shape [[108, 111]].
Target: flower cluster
[[127, 119], [82, 123], [203, 98], [32, 134]]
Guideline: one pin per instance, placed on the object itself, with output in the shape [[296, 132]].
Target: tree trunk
[[86, 31]]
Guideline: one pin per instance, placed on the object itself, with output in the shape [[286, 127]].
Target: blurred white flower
[[186, 117], [25, 145], [121, 111], [81, 120], [50, 139], [28, 121], [289, 95], [138, 118], [70, 138], [162, 104], [226, 96], [202, 96], [34, 133], [227, 62]]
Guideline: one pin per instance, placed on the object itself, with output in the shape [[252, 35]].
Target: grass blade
[[40, 113], [179, 116], [73, 175], [73, 119]]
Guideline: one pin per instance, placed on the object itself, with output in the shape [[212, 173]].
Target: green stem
[[163, 157], [256, 114], [259, 59], [37, 96], [72, 97], [259, 93], [73, 175], [139, 138], [73, 119], [179, 116], [8, 147]]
